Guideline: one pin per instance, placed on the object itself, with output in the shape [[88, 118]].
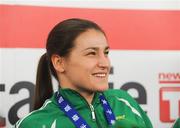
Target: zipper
[[92, 112], [94, 116]]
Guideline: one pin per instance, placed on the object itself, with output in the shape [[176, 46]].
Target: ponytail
[[44, 87]]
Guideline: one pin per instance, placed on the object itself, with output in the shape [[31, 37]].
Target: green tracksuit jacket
[[127, 112], [176, 123]]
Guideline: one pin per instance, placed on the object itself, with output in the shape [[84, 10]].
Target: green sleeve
[[125, 95], [145, 118], [143, 114], [28, 124], [176, 124]]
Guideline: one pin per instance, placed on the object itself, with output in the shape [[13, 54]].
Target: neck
[[88, 96]]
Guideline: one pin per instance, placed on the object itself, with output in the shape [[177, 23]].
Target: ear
[[58, 63]]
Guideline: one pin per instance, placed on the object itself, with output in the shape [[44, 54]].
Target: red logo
[[169, 103], [169, 78]]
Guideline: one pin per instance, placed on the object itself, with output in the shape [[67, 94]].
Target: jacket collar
[[76, 99]]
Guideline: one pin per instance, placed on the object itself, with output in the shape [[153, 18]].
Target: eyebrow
[[95, 48]]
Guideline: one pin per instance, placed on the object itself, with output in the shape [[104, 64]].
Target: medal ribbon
[[74, 116]]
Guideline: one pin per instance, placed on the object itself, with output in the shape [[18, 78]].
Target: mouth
[[100, 75]]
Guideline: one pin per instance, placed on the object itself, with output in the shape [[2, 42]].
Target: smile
[[101, 75]]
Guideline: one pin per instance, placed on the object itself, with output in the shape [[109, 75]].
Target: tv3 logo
[[169, 103]]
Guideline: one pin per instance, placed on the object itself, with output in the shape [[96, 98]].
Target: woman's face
[[87, 67]]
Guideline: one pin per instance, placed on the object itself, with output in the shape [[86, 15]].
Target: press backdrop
[[144, 38]]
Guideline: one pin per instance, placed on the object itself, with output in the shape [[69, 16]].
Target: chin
[[104, 88]]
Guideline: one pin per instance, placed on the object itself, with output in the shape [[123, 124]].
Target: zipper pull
[[92, 112]]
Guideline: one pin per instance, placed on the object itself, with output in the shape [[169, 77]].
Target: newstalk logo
[[169, 96], [169, 78]]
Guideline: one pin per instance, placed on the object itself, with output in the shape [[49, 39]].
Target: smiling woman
[[92, 65], [77, 56]]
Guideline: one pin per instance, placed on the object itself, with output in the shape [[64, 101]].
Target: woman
[[77, 56]]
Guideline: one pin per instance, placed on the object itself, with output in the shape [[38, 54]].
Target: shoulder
[[34, 119], [122, 98], [176, 123]]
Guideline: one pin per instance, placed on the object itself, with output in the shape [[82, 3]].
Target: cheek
[[88, 64], [87, 68], [108, 64], [81, 67], [91, 66]]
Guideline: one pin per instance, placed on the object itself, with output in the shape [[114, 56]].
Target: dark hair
[[60, 41]]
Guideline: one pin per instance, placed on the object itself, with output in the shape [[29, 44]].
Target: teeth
[[100, 75]]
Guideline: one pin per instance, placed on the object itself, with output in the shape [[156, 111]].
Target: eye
[[106, 52], [91, 53]]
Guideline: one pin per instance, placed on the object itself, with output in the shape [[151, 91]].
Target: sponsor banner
[[28, 26], [17, 77], [145, 56], [140, 73], [169, 104]]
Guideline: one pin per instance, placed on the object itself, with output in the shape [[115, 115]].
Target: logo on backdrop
[[13, 111], [169, 96]]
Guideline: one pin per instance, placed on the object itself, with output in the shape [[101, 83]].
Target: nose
[[103, 62]]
